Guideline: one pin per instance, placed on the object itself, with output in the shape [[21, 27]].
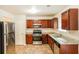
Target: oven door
[[37, 37]]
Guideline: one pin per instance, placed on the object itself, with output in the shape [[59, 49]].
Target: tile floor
[[10, 50], [33, 49]]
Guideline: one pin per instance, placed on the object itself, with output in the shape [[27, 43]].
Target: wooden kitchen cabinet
[[44, 23], [29, 39], [52, 23], [49, 23], [56, 49], [59, 48], [70, 19], [65, 20], [44, 38], [29, 23], [65, 48], [51, 42], [55, 23], [69, 49]]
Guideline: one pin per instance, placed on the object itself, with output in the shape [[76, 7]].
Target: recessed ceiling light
[[33, 10]]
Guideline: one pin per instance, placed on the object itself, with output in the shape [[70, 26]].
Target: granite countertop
[[63, 40], [44, 30]]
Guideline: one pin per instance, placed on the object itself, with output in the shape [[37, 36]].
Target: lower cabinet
[[29, 39], [51, 43], [66, 49], [58, 48], [69, 49], [44, 38]]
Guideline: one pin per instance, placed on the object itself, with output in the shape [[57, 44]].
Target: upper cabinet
[[29, 23], [49, 24], [54, 23], [45, 23], [55, 20], [70, 19], [65, 20]]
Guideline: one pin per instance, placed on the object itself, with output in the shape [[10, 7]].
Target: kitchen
[[52, 30]]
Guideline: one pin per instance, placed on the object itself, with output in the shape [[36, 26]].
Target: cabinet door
[[69, 49], [29, 23], [29, 39], [65, 19], [49, 23], [44, 38], [44, 23], [56, 49], [50, 42], [70, 19], [55, 23], [73, 15], [52, 23]]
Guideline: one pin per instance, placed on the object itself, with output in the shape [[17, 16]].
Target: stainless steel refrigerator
[[7, 36]]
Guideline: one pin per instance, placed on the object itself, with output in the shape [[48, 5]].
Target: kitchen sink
[[59, 38]]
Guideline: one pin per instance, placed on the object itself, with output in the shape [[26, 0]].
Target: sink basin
[[59, 38]]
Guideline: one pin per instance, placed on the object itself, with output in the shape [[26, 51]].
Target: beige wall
[[6, 16], [20, 29]]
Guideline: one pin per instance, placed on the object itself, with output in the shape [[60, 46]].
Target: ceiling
[[43, 10]]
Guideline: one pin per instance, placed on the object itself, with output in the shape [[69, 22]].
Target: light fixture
[[33, 10]]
